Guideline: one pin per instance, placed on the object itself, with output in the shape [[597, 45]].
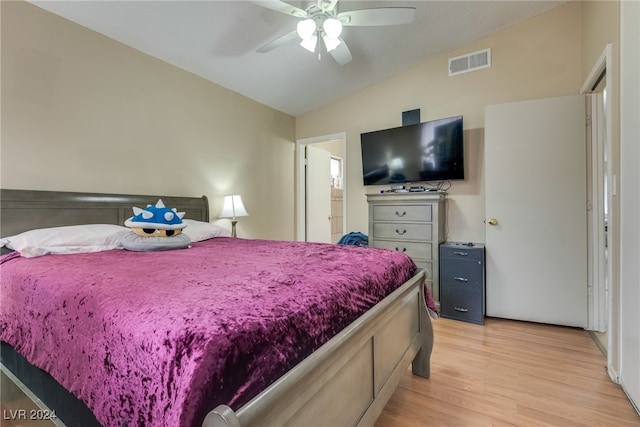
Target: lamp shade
[[233, 207], [330, 43], [332, 27], [306, 28], [310, 43]]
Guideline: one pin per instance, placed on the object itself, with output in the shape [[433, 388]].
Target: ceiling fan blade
[[378, 16], [282, 7], [342, 54], [282, 40], [327, 5]]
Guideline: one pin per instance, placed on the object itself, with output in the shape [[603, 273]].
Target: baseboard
[[599, 343]]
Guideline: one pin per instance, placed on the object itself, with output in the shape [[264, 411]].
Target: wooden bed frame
[[346, 382]]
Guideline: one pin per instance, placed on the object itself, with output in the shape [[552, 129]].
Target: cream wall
[[538, 58], [333, 146], [601, 25], [82, 112]]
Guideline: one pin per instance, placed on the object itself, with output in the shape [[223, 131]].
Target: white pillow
[[199, 230], [66, 240]]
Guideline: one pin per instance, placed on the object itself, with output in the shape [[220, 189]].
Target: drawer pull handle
[[460, 279], [461, 253], [460, 309], [401, 214], [401, 250], [401, 232]]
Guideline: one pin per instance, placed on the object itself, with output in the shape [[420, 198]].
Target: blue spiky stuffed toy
[[155, 228]]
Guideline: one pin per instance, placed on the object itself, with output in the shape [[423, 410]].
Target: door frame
[[301, 221], [599, 302]]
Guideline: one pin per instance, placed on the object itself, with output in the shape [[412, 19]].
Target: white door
[[629, 196], [318, 195], [535, 161]]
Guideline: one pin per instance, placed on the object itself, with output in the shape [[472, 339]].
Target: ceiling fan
[[322, 20]]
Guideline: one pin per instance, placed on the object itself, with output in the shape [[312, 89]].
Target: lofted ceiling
[[217, 41]]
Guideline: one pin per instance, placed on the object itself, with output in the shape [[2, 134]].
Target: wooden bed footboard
[[349, 380]]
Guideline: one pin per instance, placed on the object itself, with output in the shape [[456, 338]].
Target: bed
[[342, 374]]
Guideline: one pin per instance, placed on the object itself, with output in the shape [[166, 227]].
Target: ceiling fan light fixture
[[321, 19], [306, 28], [332, 27], [331, 43], [310, 43]]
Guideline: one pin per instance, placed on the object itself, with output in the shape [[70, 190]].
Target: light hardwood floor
[[510, 373], [16, 408]]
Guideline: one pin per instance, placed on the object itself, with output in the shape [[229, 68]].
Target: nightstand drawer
[[461, 304], [402, 231], [461, 251], [467, 273], [413, 249], [402, 213]]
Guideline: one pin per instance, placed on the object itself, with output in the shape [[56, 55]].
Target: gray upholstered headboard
[[22, 210]]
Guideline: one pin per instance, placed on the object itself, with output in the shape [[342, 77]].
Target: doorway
[[601, 189], [310, 209]]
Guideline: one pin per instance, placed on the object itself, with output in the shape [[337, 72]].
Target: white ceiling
[[217, 40]]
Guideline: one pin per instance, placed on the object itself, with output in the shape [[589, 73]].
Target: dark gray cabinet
[[462, 277]]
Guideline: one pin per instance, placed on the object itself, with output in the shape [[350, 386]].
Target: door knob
[[493, 221]]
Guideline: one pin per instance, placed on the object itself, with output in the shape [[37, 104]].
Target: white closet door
[[535, 161]]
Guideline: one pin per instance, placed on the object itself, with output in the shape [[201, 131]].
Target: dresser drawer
[[461, 304], [461, 251], [463, 273], [413, 249], [402, 213], [402, 231]]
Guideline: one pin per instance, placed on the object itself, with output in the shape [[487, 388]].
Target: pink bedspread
[[161, 338]]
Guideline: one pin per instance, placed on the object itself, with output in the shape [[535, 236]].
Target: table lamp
[[233, 208]]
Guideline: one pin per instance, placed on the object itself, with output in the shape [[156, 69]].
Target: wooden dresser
[[413, 223]]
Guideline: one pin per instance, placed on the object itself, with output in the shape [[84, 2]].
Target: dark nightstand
[[462, 281]]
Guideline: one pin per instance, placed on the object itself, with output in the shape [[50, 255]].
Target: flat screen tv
[[428, 151]]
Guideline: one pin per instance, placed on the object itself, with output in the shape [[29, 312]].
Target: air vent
[[470, 62]]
